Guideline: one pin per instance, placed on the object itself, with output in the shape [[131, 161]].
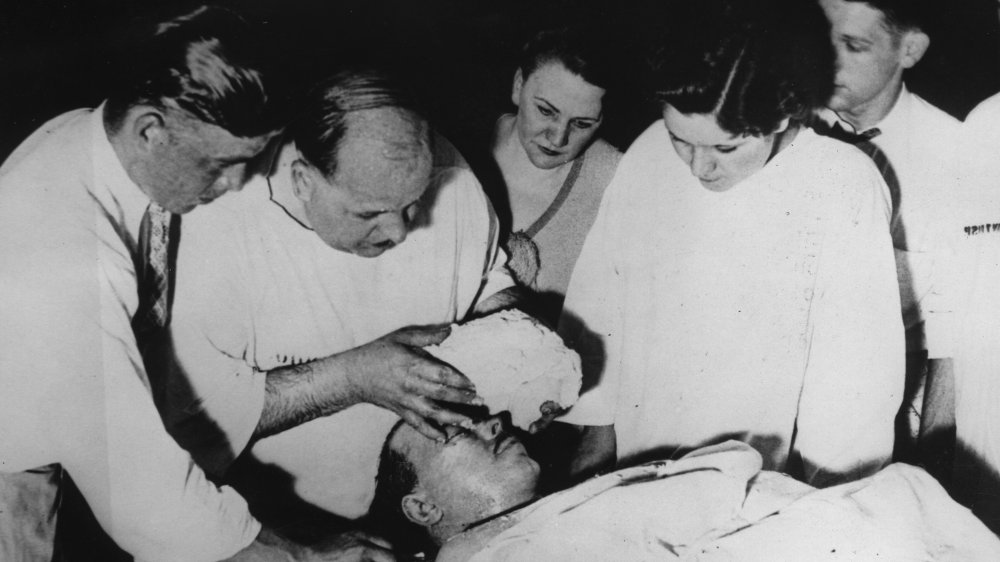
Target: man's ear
[[914, 44], [419, 509], [149, 129], [515, 91], [303, 182], [783, 126]]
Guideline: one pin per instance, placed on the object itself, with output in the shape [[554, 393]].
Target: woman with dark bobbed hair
[[554, 166], [739, 280]]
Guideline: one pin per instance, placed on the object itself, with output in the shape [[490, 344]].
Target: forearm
[[299, 393]]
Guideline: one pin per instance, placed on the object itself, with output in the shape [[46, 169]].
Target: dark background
[[458, 53]]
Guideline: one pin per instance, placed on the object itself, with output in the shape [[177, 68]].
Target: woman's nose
[[701, 162], [559, 135]]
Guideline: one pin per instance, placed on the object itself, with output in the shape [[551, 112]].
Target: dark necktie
[[158, 237]]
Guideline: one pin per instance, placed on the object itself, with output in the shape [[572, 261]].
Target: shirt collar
[[130, 201], [892, 119]]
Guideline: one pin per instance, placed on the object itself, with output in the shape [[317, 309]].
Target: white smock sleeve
[[855, 368], [592, 318], [214, 397]]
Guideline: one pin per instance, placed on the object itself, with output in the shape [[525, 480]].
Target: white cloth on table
[[256, 290], [714, 504], [768, 313], [74, 388]]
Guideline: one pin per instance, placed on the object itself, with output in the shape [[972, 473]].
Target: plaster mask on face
[[558, 114], [719, 159]]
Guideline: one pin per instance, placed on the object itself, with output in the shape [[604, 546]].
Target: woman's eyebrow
[[547, 102]]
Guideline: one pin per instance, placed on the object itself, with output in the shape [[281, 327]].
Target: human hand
[[550, 410], [351, 546], [393, 372]]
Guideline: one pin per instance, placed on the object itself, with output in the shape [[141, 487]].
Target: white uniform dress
[[768, 313], [256, 290]]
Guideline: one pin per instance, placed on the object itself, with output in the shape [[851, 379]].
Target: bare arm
[[392, 372]]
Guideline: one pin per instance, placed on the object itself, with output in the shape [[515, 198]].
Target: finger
[[433, 370], [422, 336], [422, 426], [434, 414], [443, 393]]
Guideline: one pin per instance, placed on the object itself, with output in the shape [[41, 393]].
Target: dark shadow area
[[977, 486]]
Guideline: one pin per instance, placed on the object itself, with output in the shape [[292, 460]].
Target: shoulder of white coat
[[987, 111], [840, 172], [936, 127], [453, 178], [648, 151], [226, 224]]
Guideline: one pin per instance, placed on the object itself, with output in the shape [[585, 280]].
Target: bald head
[[366, 162]]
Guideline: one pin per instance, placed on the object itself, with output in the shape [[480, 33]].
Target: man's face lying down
[[477, 472]]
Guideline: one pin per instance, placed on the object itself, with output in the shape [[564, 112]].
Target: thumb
[[422, 336]]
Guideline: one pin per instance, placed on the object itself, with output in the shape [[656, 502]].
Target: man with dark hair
[[876, 42], [89, 206], [475, 498], [302, 302]]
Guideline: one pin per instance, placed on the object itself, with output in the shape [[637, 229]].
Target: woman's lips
[[548, 151]]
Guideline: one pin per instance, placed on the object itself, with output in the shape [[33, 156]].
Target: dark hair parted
[[396, 478], [899, 15], [751, 64], [206, 62], [582, 50], [321, 122]]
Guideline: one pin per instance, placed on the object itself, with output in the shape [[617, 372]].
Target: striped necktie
[[158, 237]]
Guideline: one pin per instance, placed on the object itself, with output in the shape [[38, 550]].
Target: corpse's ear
[[303, 180], [515, 91], [914, 44], [783, 126], [419, 509]]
